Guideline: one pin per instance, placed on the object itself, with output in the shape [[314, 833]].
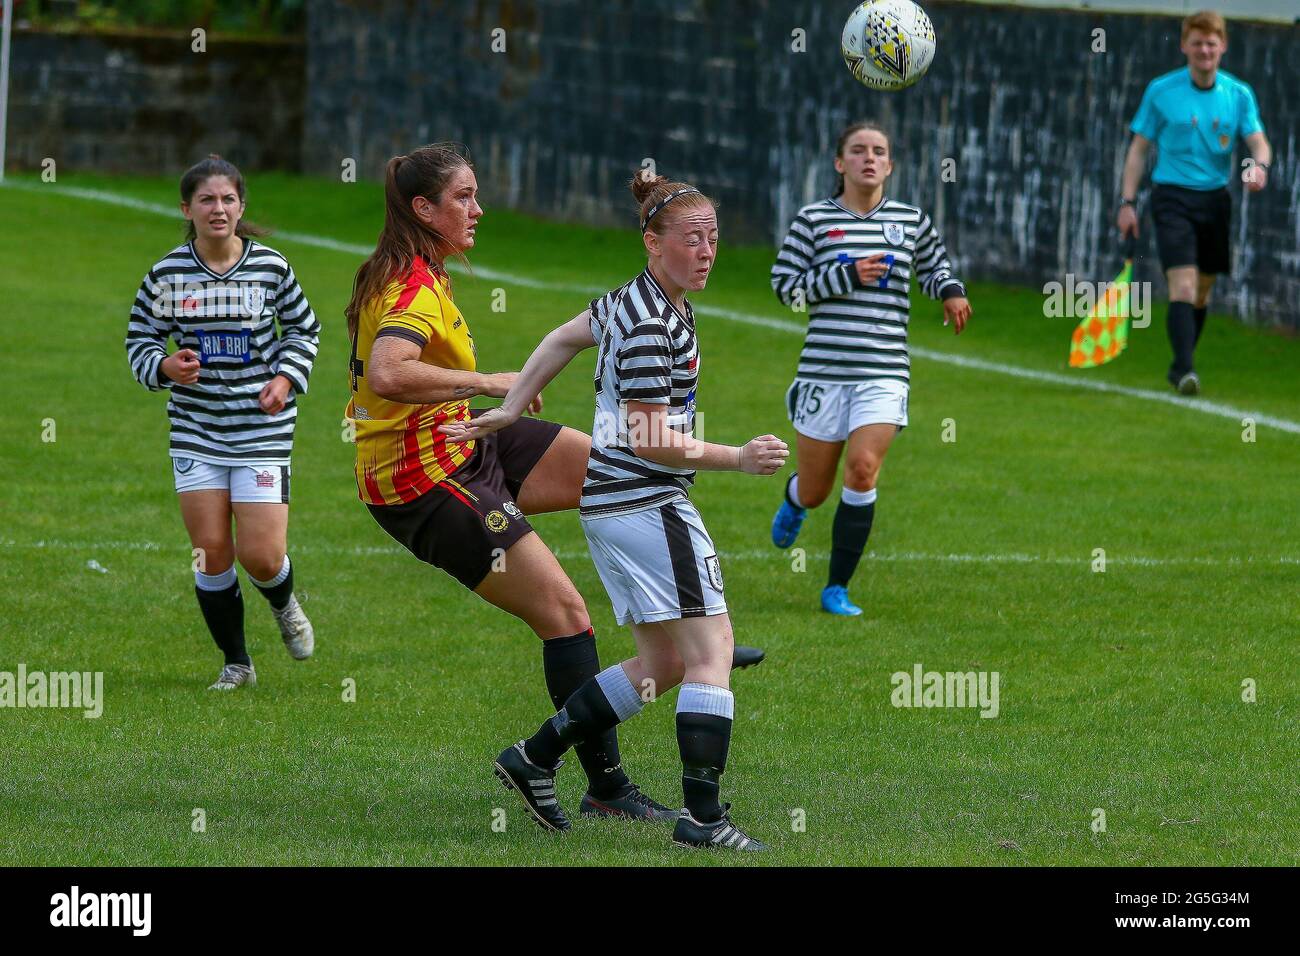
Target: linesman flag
[[1104, 333]]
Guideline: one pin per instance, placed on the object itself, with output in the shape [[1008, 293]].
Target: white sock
[[857, 498]]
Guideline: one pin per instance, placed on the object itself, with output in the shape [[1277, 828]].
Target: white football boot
[[296, 630], [234, 676]]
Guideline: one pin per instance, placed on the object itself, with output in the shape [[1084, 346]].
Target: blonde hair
[[1207, 21]]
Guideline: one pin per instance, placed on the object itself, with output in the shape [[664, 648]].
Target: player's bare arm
[[397, 374], [651, 438], [550, 358]]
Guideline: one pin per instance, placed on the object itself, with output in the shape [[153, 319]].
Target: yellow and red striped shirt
[[400, 452]]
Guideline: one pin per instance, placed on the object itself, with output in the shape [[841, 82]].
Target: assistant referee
[[1194, 117]]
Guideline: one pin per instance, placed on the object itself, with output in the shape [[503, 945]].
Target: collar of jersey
[[248, 247], [689, 318], [864, 215]]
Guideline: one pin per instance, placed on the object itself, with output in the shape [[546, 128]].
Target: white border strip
[[91, 548], [1216, 409]]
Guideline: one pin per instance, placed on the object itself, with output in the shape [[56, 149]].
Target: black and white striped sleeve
[[644, 363], [299, 332], [146, 335], [932, 266], [795, 278]]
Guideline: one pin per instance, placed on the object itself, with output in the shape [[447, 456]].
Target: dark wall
[[136, 103], [712, 92]]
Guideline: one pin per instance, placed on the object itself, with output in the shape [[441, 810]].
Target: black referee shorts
[[1192, 228], [471, 517]]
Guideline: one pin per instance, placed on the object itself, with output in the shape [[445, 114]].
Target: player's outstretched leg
[[596, 707]]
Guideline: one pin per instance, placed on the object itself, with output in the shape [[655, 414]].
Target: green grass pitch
[[1119, 691]]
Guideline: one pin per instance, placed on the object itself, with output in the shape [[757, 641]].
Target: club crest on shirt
[[254, 300], [894, 233], [496, 521]]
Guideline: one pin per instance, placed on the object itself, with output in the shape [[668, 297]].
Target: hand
[[1127, 220], [956, 310], [182, 366], [871, 268], [1255, 177], [763, 455], [480, 426], [274, 394]]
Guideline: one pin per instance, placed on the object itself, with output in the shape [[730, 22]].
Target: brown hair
[[846, 134], [650, 190], [1207, 21], [422, 172], [200, 173]]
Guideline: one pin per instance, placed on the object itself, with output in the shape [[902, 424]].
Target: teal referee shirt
[[1195, 130]]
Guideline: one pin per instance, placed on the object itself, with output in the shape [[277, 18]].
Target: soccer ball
[[888, 44]]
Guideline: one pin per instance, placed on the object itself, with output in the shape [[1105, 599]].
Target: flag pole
[[4, 81]]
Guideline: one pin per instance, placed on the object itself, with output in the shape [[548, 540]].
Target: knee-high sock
[[279, 589], [792, 491], [222, 605], [602, 702], [569, 662], [1199, 314], [849, 533], [1181, 326], [704, 717]]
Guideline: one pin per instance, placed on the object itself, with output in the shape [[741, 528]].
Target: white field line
[[92, 548], [1216, 409]]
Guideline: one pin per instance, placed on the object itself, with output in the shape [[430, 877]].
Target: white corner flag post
[[4, 81]]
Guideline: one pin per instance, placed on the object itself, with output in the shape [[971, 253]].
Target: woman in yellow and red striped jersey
[[462, 506]]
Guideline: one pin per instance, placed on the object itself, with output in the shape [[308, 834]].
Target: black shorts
[[1192, 228], [468, 519]]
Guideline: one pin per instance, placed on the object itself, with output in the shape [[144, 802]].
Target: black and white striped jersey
[[230, 321], [858, 333], [647, 353]]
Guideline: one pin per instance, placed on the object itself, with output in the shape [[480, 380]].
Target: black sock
[[278, 594], [586, 715], [703, 740], [1181, 325], [849, 536], [569, 662], [1199, 315], [224, 613]]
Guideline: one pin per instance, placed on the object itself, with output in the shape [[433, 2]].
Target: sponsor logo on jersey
[[511, 510], [232, 345], [894, 233], [264, 479], [496, 521], [835, 234]]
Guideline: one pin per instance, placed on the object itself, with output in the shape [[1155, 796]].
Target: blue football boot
[[786, 524], [835, 600]]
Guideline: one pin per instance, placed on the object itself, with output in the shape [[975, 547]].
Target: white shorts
[[828, 411], [246, 483], [658, 564]]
